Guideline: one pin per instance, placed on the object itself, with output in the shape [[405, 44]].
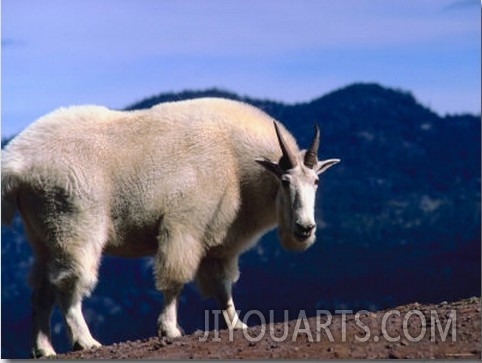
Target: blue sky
[[116, 52]]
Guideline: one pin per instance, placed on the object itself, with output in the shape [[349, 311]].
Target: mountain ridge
[[359, 88]]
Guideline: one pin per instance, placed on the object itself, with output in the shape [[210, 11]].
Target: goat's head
[[298, 180]]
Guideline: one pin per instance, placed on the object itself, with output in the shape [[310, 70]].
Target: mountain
[[399, 221]]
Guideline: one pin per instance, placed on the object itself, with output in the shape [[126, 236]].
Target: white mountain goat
[[192, 183]]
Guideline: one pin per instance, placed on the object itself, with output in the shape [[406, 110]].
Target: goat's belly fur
[[140, 249]]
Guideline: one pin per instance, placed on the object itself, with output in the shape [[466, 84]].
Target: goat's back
[[173, 134]]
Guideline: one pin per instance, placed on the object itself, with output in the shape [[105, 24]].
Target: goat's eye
[[317, 181], [285, 182]]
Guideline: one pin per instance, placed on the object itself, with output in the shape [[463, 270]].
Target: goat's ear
[[270, 166], [323, 165]]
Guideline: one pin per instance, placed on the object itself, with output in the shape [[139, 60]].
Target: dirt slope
[[445, 330]]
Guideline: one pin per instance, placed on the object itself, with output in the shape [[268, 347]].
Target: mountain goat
[[192, 183]]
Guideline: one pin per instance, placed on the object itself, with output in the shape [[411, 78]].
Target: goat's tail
[[10, 185]]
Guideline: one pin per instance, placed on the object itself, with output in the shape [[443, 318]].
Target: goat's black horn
[[311, 155], [288, 160]]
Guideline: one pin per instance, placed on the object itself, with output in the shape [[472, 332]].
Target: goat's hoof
[[87, 344], [170, 332], [42, 352], [240, 325]]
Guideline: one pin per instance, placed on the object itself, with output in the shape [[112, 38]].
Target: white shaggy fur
[[178, 181]]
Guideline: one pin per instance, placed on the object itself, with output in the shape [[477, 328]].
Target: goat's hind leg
[[66, 236], [75, 259], [43, 300], [75, 278], [53, 284], [43, 293]]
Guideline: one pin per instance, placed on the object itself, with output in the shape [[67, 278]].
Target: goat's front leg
[[175, 264], [167, 322], [215, 278], [230, 314]]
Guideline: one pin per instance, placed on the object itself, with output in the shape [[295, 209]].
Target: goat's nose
[[305, 228]]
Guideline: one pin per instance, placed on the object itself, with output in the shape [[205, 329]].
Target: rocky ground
[[445, 330]]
